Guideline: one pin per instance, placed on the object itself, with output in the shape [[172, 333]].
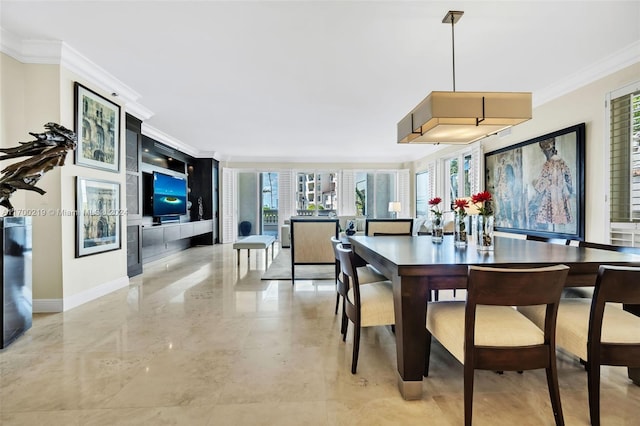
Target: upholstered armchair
[[311, 242]]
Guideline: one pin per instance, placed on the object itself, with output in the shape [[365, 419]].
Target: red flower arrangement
[[461, 205], [435, 209], [482, 201], [435, 201]]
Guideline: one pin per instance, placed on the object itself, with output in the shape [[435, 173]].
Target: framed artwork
[[538, 185], [98, 216], [97, 124]]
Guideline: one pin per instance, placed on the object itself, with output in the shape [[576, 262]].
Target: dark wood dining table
[[416, 266]]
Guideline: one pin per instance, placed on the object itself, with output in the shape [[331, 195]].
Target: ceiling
[[322, 81]]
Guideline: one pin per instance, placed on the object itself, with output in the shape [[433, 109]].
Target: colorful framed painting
[[97, 124], [98, 216], [538, 185]]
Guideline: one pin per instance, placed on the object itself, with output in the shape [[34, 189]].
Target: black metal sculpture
[[48, 150]]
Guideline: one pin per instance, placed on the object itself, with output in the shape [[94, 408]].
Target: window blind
[[347, 193], [229, 219], [404, 193], [286, 196], [624, 160]]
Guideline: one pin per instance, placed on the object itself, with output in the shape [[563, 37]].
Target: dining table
[[416, 265]]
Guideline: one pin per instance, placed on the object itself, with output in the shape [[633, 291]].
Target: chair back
[[615, 284], [388, 227], [310, 240], [334, 242], [515, 287], [349, 272]]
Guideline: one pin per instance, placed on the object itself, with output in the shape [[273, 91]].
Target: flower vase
[[484, 232], [460, 231], [437, 231]]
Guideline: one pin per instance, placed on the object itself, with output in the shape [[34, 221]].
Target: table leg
[[238, 251], [410, 303]]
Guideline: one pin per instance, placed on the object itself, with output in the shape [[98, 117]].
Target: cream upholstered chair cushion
[[495, 326], [376, 304], [618, 326]]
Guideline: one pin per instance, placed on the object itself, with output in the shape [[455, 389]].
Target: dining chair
[[366, 274], [587, 292], [598, 331], [487, 333], [388, 226], [367, 305], [310, 244]]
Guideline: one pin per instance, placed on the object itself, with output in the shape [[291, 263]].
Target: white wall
[[39, 94]]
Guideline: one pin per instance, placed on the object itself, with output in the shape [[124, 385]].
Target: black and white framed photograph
[[98, 216], [538, 185], [97, 124]]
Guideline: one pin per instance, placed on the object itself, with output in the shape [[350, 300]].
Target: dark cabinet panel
[[133, 195]]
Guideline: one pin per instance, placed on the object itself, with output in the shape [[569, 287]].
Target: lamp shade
[[394, 206], [463, 117]]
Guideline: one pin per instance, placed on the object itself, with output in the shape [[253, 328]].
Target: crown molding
[[56, 52], [168, 140], [623, 58]]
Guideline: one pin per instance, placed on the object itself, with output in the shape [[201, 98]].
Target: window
[[460, 177], [375, 190], [624, 164], [269, 203], [316, 193], [625, 158], [422, 193]]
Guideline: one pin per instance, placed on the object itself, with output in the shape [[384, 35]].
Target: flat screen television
[[169, 195]]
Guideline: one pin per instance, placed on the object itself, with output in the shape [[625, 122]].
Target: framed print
[[97, 123], [538, 185], [98, 216]]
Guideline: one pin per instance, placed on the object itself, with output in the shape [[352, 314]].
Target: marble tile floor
[[199, 340]]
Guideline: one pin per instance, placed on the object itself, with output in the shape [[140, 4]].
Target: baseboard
[[43, 306], [61, 305]]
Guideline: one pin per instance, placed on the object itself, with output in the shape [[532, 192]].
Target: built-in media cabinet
[[160, 240], [171, 199]]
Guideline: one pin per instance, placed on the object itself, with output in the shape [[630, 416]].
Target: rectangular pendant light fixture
[[463, 117]]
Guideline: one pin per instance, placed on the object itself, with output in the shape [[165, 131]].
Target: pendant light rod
[[452, 17], [453, 53], [462, 117]]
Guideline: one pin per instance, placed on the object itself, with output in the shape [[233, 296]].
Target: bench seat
[[255, 242]]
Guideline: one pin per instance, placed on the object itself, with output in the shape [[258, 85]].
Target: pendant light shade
[[462, 117]]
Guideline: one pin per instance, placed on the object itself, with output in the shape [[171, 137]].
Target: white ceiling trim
[[615, 62], [164, 138], [60, 53]]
